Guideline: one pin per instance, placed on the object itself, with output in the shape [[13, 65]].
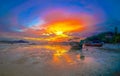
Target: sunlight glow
[[59, 33]]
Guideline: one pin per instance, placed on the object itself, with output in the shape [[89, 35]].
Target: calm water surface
[[57, 60]]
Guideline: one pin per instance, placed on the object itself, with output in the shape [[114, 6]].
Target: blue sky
[[18, 14]]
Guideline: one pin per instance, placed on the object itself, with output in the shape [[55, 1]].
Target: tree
[[116, 30]]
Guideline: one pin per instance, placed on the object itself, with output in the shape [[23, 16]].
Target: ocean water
[[57, 60]]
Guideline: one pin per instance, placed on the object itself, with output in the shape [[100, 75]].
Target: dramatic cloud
[[40, 18]]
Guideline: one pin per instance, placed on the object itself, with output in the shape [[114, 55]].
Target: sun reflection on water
[[59, 54]]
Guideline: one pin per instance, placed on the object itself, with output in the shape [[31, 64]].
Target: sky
[[40, 18]]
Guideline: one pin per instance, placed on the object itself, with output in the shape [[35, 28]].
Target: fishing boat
[[94, 43]]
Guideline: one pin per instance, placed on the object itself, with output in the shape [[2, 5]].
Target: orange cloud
[[60, 24]]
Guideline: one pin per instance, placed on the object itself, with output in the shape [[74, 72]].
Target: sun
[[59, 33]]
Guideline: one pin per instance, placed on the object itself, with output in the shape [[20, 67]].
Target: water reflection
[[78, 49], [60, 54], [57, 60]]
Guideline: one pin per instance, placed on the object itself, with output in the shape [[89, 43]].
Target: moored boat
[[94, 43]]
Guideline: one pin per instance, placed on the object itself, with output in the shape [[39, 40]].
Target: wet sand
[[57, 60]]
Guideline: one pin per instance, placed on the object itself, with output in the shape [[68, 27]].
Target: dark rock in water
[[74, 44], [82, 57]]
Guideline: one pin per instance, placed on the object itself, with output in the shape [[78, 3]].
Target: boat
[[94, 43], [74, 44]]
